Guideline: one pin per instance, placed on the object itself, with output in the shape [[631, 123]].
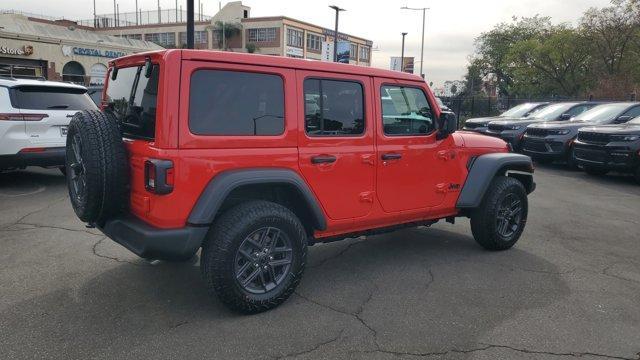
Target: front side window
[[236, 103], [405, 111], [132, 99], [633, 112], [333, 108]]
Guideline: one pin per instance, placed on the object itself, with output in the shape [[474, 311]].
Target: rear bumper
[[150, 242], [45, 157]]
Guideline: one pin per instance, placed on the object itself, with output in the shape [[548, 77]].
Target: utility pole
[[190, 24], [335, 37], [115, 13], [137, 13], [424, 11], [402, 53], [159, 15], [95, 19]]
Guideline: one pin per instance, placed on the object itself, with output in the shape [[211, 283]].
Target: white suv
[[34, 115]]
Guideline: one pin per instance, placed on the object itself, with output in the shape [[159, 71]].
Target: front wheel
[[254, 256], [499, 221]]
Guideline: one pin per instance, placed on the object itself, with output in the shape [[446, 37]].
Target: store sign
[[327, 51], [406, 67], [68, 50], [294, 51], [344, 51], [25, 50]]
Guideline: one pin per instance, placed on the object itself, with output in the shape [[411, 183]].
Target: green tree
[[473, 79], [553, 63], [493, 47], [226, 31]]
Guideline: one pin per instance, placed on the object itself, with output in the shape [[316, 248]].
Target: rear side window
[[405, 111], [333, 108], [236, 103], [51, 98], [132, 99]]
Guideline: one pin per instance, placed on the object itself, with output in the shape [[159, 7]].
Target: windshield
[[551, 112], [601, 113], [519, 110], [51, 98], [131, 98]]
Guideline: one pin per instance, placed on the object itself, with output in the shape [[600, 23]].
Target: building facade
[[60, 50], [274, 35]]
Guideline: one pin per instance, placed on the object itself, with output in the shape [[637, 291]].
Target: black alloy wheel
[[263, 260]]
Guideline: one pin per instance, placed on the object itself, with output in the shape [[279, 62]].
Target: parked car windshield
[[519, 110], [551, 112], [601, 113], [51, 98]]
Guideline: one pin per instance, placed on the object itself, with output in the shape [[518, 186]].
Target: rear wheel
[[594, 171], [254, 256], [500, 219]]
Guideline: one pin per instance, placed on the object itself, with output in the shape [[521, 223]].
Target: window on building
[[262, 34], [132, 36], [199, 37], [353, 54], [333, 108], [405, 111], [365, 52], [236, 103], [167, 39], [314, 42], [294, 37]]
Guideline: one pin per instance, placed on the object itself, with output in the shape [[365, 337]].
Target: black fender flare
[[220, 186], [485, 167]]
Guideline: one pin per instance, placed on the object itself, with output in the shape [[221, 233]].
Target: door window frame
[[364, 107], [429, 101]]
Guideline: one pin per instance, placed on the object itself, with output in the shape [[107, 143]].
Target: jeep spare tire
[[96, 166]]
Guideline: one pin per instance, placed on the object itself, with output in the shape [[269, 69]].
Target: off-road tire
[[594, 171], [484, 218], [223, 241], [104, 163]]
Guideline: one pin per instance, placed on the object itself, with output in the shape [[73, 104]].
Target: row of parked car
[[594, 136]]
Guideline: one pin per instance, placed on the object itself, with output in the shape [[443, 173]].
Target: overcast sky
[[451, 25]]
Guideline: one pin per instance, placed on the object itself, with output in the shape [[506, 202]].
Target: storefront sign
[[25, 50], [68, 50], [294, 51]]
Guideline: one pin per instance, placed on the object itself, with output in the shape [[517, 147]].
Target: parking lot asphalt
[[569, 289]]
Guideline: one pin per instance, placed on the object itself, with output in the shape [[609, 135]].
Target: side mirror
[[565, 116], [623, 119], [448, 124], [148, 67], [114, 73]]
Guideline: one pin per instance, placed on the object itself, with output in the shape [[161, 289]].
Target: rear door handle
[[391, 156], [323, 159]]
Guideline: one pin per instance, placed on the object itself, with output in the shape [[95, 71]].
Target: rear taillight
[[158, 176], [22, 117]]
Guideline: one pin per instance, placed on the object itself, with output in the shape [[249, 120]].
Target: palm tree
[[226, 32]]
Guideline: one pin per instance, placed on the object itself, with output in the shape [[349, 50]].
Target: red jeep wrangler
[[253, 158]]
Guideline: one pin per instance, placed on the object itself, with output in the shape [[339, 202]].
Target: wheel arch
[[486, 167], [283, 186]]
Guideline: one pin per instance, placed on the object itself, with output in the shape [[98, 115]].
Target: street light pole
[[335, 37], [190, 24], [402, 53], [424, 12]]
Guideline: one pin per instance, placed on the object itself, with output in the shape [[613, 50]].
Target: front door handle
[[323, 159], [391, 156]]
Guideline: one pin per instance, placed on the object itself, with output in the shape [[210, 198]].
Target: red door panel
[[411, 167], [339, 168]]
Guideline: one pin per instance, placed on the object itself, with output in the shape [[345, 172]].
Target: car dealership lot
[[569, 288]]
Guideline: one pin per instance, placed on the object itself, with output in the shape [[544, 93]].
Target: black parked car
[[550, 141], [512, 130], [600, 149], [518, 111]]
